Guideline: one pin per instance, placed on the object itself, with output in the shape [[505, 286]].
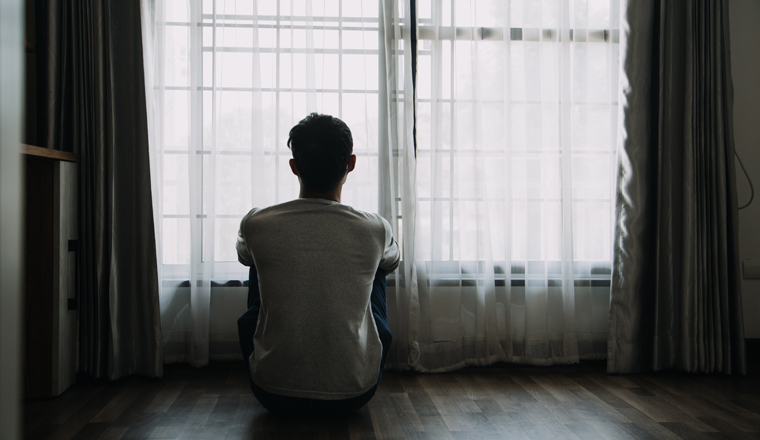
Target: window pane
[[176, 120], [176, 241], [176, 191], [177, 53]]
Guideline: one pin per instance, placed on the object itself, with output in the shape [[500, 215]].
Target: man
[[315, 336]]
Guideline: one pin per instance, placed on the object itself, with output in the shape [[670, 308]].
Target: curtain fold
[[96, 107], [396, 181], [676, 299]]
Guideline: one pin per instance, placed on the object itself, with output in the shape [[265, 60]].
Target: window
[[516, 114], [507, 183], [237, 75], [235, 80]]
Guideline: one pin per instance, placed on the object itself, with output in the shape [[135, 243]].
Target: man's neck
[[333, 195]]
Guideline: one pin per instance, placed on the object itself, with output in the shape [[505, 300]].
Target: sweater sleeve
[[244, 254], [391, 253]]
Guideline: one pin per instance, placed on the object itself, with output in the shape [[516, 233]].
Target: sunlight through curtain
[[516, 128], [494, 165]]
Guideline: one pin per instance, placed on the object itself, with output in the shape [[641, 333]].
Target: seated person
[[315, 336]]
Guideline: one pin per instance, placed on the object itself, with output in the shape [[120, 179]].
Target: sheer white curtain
[[501, 200], [516, 128], [397, 188], [230, 78]]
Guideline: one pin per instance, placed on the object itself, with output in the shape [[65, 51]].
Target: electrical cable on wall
[[751, 188]]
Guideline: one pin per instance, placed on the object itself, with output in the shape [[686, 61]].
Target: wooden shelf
[[49, 153]]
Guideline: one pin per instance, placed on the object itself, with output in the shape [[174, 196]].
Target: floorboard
[[502, 401]]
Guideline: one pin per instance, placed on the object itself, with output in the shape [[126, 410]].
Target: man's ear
[[351, 163], [293, 167]]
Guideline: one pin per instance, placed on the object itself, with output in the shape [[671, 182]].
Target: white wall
[[744, 17]]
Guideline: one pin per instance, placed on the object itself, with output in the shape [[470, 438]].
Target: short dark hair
[[321, 147]]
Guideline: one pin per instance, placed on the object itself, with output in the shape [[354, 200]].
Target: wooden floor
[[477, 403]]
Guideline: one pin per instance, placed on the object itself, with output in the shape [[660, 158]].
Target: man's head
[[322, 147]]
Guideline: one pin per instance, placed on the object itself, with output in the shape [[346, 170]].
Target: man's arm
[[391, 254], [244, 255]]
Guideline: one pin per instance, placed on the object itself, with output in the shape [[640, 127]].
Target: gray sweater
[[316, 260]]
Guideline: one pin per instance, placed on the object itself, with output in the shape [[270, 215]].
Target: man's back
[[316, 261]]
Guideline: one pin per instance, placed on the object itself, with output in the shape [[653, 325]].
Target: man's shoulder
[[370, 218], [260, 212], [315, 209], [359, 212]]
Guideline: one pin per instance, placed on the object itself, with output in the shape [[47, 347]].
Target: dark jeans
[[300, 407]]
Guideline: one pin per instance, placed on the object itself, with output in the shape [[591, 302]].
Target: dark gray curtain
[[95, 98], [676, 299]]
